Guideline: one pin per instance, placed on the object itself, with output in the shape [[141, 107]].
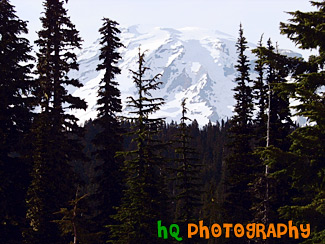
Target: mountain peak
[[194, 63]]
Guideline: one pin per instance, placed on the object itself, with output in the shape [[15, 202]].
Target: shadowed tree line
[[113, 178]]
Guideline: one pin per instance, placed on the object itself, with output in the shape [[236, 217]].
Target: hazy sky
[[257, 16]]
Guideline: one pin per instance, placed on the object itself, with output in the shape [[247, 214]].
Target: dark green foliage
[[270, 171], [144, 198], [55, 131], [260, 93], [239, 162], [41, 193], [72, 223], [15, 121], [109, 140], [273, 127], [308, 170], [212, 140], [272, 101], [278, 70], [214, 175], [188, 180], [243, 95]]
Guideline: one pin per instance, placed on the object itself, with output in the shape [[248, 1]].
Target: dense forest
[[112, 179]]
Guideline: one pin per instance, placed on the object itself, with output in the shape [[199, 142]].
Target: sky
[[257, 16]]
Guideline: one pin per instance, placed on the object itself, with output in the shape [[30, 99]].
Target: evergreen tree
[[239, 163], [143, 202], [272, 185], [278, 126], [55, 131], [188, 183], [215, 140], [15, 120], [307, 170], [108, 141], [72, 223], [273, 120], [280, 123], [243, 95], [260, 93]]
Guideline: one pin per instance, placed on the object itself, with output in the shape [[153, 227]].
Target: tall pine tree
[[109, 140], [260, 94], [143, 200], [55, 131], [15, 121], [306, 30], [239, 163], [278, 70], [188, 198], [272, 186]]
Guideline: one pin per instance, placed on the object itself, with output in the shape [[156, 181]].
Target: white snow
[[194, 63]]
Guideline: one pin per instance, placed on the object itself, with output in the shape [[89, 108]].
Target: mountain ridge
[[195, 63]]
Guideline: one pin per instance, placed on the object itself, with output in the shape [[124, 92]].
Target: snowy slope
[[194, 63]]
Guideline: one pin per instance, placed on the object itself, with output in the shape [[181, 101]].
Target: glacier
[[194, 63]]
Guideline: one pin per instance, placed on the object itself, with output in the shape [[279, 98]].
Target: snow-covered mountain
[[194, 63]]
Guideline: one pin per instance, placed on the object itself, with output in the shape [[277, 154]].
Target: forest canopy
[[111, 179]]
